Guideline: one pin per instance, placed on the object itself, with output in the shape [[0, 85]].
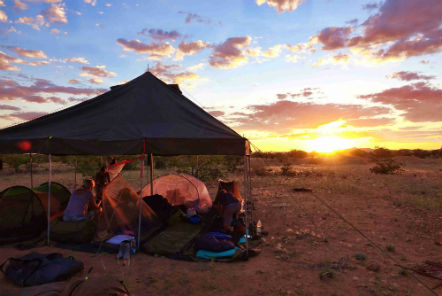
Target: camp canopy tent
[[143, 116]]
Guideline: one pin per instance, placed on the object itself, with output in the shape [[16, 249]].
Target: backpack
[[35, 269]]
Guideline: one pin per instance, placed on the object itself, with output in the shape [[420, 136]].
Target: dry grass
[[399, 212]]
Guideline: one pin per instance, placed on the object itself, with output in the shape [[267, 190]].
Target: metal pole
[[250, 189], [32, 180], [151, 173], [197, 167], [245, 199], [49, 198], [140, 202], [75, 174]]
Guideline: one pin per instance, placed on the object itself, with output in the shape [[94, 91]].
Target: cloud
[[11, 90], [28, 53], [91, 2], [370, 6], [340, 58], [230, 53], [190, 48], [3, 16], [160, 35], [157, 49], [95, 80], [97, 71], [74, 81], [6, 62], [407, 76], [55, 14], [397, 31], [55, 31], [173, 74], [283, 115], [307, 92], [9, 107], [216, 113], [419, 101], [26, 115], [2, 3], [193, 17], [196, 67], [35, 23], [281, 5], [18, 5], [334, 37], [79, 60]]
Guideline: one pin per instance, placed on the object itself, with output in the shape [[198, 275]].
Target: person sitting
[[102, 178], [228, 203], [78, 205]]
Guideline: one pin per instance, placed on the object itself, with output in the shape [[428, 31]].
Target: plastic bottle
[[259, 227]]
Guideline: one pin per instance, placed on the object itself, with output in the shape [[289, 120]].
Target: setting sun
[[329, 144]]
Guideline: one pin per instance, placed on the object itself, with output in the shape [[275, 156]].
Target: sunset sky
[[287, 74]]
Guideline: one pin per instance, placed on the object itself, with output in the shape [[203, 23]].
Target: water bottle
[[259, 227]]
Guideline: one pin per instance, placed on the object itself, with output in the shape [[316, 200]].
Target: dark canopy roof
[[143, 115]]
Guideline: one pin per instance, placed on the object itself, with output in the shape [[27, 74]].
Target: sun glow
[[327, 142]]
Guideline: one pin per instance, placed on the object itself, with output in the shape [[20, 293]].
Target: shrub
[[386, 167], [286, 170]]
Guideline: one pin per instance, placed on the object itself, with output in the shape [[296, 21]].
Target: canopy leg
[[151, 173], [246, 207], [140, 202], [49, 197], [250, 196], [30, 162], [75, 173]]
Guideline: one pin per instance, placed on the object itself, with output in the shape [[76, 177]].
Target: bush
[[386, 167], [286, 170]]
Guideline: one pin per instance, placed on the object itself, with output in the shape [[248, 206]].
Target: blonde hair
[[88, 183]]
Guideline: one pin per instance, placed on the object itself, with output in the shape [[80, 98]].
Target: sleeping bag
[[35, 269]]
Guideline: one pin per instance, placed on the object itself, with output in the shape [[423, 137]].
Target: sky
[[287, 74]]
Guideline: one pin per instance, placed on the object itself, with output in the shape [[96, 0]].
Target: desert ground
[[309, 250]]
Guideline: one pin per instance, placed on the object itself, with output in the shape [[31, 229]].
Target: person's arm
[[94, 203]]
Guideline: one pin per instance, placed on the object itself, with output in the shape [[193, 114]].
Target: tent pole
[[49, 197], [30, 160], [140, 202], [197, 167], [75, 173], [245, 200], [151, 173], [250, 189]]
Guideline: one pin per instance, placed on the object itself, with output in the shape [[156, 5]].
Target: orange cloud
[[11, 90], [281, 5], [20, 5], [158, 49], [97, 71], [419, 101], [407, 76], [28, 53], [230, 53], [35, 23], [79, 60], [3, 16], [283, 115], [173, 74], [190, 48], [399, 30], [55, 14]]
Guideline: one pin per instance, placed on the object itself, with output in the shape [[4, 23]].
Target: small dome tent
[[182, 189], [23, 211], [22, 215]]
